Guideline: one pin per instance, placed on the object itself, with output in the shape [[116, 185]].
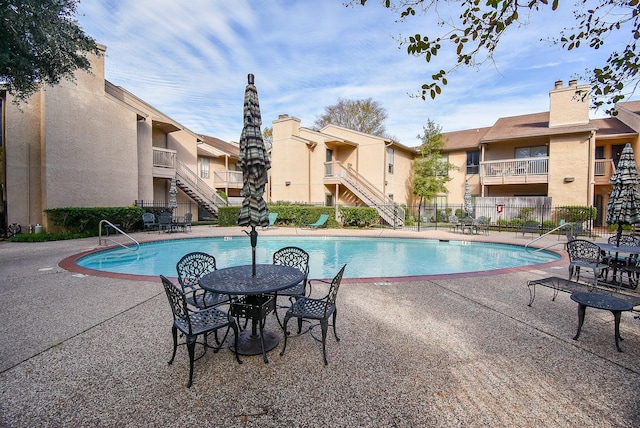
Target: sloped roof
[[611, 126], [632, 106], [467, 139], [530, 125], [228, 148]]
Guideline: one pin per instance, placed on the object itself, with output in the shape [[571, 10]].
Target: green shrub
[[289, 215], [572, 214], [359, 216], [79, 220]]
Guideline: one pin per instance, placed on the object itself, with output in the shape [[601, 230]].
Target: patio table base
[[251, 344]]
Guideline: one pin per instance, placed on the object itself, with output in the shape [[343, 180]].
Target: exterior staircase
[[189, 182], [391, 212]]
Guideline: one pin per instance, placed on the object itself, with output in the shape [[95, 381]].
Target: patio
[[455, 351]]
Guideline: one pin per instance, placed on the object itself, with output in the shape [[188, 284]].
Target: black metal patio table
[[258, 299], [624, 249], [601, 301]]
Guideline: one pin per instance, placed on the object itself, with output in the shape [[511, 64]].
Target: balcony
[[603, 170], [164, 163], [227, 179], [515, 171]]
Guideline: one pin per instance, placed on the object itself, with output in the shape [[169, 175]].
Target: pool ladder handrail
[[526, 247], [118, 230]]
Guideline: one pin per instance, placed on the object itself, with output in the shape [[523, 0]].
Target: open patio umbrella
[[468, 207], [624, 202], [254, 162]]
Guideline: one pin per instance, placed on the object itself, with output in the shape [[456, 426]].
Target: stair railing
[[198, 184]]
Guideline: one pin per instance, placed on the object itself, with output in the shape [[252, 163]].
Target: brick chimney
[[568, 105]]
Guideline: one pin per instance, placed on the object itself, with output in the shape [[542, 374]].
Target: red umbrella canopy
[[254, 162]]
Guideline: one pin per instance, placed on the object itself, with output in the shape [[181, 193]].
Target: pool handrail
[[118, 230], [526, 247]]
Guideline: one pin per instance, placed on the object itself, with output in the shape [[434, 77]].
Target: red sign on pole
[[499, 208]]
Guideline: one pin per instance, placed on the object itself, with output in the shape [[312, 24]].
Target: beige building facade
[[89, 143]]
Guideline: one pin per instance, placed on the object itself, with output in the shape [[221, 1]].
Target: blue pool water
[[366, 257]]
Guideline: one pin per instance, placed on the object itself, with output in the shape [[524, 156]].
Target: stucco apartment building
[[90, 143], [560, 157]]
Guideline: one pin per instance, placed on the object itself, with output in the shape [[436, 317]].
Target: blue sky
[[190, 59]]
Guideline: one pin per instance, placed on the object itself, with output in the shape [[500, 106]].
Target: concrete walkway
[[466, 351]]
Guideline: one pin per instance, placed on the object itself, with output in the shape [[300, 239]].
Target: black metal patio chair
[[191, 267], [307, 308], [585, 254], [299, 259], [196, 322]]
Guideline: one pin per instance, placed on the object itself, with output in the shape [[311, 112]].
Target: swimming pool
[[366, 257]]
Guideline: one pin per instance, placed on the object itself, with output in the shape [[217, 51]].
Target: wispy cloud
[[190, 60]]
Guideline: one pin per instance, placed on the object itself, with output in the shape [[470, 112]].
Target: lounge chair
[[272, 220], [320, 222]]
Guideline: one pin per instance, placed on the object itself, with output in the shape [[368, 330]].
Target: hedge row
[[302, 215], [75, 220]]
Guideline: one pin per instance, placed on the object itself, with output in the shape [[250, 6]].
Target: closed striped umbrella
[[254, 162], [624, 202]]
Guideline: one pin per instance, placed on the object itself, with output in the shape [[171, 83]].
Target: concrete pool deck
[[466, 350]]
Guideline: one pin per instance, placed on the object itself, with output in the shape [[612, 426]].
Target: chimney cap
[[558, 84]]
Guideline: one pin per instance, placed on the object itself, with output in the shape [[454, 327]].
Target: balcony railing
[[227, 178], [164, 158], [515, 171], [603, 170]]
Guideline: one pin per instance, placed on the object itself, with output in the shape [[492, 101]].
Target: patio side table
[[601, 301]]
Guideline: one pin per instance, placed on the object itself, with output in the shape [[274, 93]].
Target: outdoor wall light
[[569, 179], [287, 183]]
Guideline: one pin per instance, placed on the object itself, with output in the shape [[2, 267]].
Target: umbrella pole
[[619, 234], [254, 241]]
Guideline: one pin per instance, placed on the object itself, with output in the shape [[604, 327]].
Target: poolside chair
[[186, 223], [585, 254], [322, 220], [149, 222], [165, 221], [196, 323], [272, 220], [191, 268], [320, 310], [482, 224], [454, 223], [298, 258]]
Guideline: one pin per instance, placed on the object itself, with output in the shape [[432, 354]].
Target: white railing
[[389, 210], [604, 168], [515, 167], [224, 176], [164, 158], [197, 184]]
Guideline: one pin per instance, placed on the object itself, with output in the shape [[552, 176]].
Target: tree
[[430, 169], [366, 116], [267, 137], [40, 43], [474, 35]]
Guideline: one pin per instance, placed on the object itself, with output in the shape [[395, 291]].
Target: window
[[390, 159], [531, 152], [473, 162], [328, 200], [204, 167]]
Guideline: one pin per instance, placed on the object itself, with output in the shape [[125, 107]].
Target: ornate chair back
[[192, 267]]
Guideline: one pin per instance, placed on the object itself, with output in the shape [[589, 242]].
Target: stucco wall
[[23, 167], [90, 153], [570, 157]]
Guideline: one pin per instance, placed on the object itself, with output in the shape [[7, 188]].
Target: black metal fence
[[506, 216]]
